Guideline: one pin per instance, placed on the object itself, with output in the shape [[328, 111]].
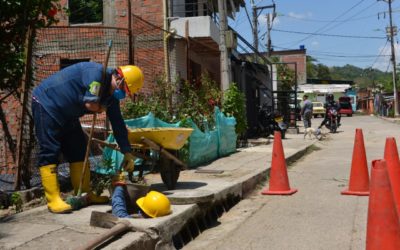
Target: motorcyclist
[[58, 103], [329, 104]]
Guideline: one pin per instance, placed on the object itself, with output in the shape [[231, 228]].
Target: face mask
[[119, 94]]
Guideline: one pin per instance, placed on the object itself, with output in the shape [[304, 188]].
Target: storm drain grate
[[195, 226]]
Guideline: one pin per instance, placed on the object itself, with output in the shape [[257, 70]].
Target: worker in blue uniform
[[58, 103]]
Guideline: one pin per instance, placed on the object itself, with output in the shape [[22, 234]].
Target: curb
[[187, 221], [175, 230], [392, 120]]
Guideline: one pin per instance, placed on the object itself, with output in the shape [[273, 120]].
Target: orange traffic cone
[[279, 181], [359, 178], [383, 227], [393, 167]]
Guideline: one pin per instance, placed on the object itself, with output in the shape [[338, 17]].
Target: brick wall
[[301, 66], [147, 24], [294, 56], [55, 44]]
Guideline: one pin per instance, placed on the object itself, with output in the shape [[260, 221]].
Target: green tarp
[[204, 146]]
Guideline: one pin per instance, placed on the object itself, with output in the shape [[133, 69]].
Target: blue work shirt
[[64, 94]]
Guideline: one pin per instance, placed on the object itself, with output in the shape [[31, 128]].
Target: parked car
[[345, 106], [318, 109]]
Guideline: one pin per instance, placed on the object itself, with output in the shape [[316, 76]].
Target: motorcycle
[[268, 122], [332, 122]]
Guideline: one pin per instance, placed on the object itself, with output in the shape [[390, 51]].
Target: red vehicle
[[345, 106], [332, 122]]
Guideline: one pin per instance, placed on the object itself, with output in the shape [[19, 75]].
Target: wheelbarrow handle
[[115, 147], [164, 152]]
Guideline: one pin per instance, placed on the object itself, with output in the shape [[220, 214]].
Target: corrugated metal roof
[[323, 88]]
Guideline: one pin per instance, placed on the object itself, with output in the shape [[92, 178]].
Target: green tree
[[16, 18], [323, 72], [19, 21], [311, 69], [85, 11]]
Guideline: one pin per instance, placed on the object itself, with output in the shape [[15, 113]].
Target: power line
[[359, 60], [339, 54], [248, 16], [322, 28], [383, 49], [332, 35], [327, 21], [360, 56], [348, 19]]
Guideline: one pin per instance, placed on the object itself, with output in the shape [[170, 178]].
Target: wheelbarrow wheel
[[169, 172]]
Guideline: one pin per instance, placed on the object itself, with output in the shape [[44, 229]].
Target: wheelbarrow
[[163, 140]]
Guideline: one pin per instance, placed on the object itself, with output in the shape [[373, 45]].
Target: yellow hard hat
[[133, 76], [154, 204]]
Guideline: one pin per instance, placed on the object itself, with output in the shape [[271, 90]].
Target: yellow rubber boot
[[76, 172], [52, 190]]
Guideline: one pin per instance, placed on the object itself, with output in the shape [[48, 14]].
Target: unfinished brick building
[[173, 39]]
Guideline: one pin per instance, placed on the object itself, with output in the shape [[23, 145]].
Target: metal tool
[[111, 222], [80, 201]]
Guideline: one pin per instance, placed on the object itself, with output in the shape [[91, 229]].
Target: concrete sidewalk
[[239, 174]]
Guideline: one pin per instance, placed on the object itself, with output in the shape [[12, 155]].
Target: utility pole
[[255, 25], [392, 31], [270, 21], [268, 35], [224, 58]]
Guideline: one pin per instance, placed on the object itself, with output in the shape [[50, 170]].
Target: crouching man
[[58, 103]]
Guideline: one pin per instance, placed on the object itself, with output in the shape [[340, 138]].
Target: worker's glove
[[128, 162], [118, 179]]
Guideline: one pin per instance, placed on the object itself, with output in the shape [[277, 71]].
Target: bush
[[195, 101], [16, 201], [235, 105]]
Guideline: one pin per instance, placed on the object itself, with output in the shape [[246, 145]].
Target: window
[[191, 8], [195, 73], [85, 11], [68, 62]]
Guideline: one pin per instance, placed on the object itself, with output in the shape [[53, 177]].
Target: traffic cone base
[[285, 192], [359, 193]]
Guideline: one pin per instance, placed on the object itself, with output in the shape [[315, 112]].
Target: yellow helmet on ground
[[154, 204], [133, 76]]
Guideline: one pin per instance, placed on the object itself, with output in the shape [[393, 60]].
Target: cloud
[[299, 15], [262, 19], [315, 44], [383, 62]]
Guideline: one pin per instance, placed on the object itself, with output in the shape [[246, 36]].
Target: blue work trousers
[[118, 202], [54, 139]]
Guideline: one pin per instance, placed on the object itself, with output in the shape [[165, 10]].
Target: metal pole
[[396, 108], [255, 26], [130, 53], [269, 35], [224, 58]]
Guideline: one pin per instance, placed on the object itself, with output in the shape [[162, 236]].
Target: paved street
[[237, 174], [318, 216]]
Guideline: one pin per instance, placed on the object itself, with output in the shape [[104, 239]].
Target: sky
[[335, 33]]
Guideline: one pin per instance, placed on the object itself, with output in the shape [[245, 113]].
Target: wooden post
[[23, 99]]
